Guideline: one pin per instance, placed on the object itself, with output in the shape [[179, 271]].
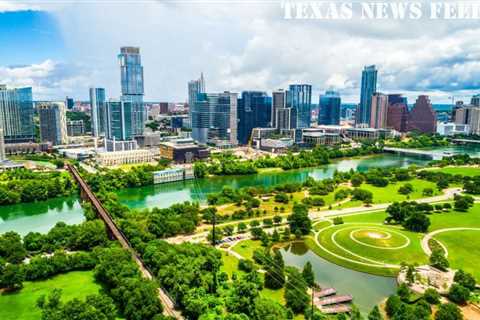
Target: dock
[[341, 308], [334, 300], [325, 292]]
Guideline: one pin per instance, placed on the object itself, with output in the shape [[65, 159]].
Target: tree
[[417, 222], [308, 275], [356, 180], [296, 296], [200, 169], [274, 275], [438, 260], [242, 296], [264, 239], [407, 188], [11, 247], [375, 314], [241, 227], [355, 313], [448, 311], [465, 279], [458, 294], [463, 203], [392, 305], [12, 277], [431, 296], [299, 220], [427, 192], [267, 309], [275, 236], [403, 291], [277, 219]]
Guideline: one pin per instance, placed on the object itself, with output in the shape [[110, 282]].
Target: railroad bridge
[[117, 234]]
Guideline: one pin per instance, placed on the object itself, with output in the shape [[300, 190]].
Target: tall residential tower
[[369, 87], [98, 111], [16, 114]]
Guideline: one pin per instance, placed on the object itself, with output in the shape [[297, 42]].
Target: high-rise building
[[2, 146], [53, 122], [131, 72], [254, 110], [214, 118], [70, 103], [75, 128], [16, 114], [329, 108], [368, 88], [422, 117], [299, 98], [469, 115], [284, 118], [122, 120], [397, 112], [279, 100], [98, 111], [378, 112], [195, 87], [475, 100]]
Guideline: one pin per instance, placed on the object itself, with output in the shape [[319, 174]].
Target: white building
[[174, 174], [124, 157], [451, 128]]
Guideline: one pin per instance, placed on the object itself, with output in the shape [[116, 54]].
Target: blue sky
[[29, 37], [64, 47]]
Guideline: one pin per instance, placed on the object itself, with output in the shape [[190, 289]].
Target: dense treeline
[[114, 179], [415, 140], [228, 164], [22, 185]]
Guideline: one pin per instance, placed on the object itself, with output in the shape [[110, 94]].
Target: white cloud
[[245, 46]]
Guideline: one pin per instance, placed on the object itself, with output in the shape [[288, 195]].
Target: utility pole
[[214, 242]]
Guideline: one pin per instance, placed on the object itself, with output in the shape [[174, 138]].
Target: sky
[[62, 47]]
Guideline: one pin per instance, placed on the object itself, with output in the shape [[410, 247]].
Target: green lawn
[[463, 246], [390, 192], [230, 264], [245, 248], [464, 171], [21, 305]]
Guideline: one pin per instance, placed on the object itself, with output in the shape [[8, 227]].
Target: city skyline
[[67, 66]]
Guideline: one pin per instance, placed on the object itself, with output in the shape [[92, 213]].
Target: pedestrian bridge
[[433, 155]]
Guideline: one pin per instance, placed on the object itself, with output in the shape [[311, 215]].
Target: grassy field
[[245, 248], [373, 239], [21, 305], [390, 192], [464, 171]]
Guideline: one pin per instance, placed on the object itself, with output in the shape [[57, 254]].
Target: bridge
[[115, 232], [433, 155], [465, 141]]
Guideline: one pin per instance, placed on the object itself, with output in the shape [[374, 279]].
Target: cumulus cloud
[[245, 45]]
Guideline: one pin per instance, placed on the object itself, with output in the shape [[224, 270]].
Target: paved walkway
[[430, 235]]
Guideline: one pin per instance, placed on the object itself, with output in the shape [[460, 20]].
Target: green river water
[[366, 289]]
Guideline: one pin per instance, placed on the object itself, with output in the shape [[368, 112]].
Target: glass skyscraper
[[214, 118], [369, 87], [131, 73], [254, 111], [16, 114], [194, 88], [98, 111], [329, 112], [299, 98], [122, 119]]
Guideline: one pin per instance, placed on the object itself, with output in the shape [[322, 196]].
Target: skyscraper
[[194, 88], [98, 111], [475, 101], [53, 122], [397, 112], [378, 112], [299, 98], [122, 118], [16, 114], [284, 119], [279, 99], [368, 88], [2, 146], [214, 118], [254, 111], [329, 112], [131, 73], [422, 117]]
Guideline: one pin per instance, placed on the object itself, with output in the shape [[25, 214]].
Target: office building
[[469, 115], [131, 72], [16, 114], [475, 101], [123, 120], [397, 112], [284, 118], [379, 110], [329, 108], [279, 99], [98, 111], [195, 87], [174, 174], [422, 117], [124, 157], [53, 122], [299, 99], [214, 118], [183, 151], [452, 129], [70, 103], [254, 110], [163, 107], [75, 128], [368, 88]]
